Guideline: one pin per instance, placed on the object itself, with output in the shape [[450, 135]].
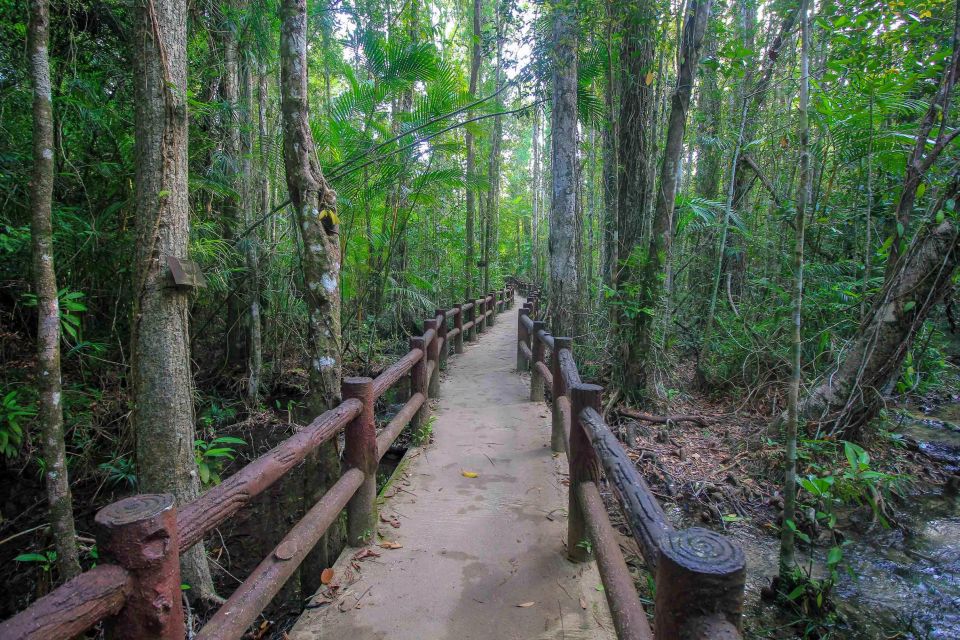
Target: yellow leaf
[[526, 604], [469, 474], [925, 13], [648, 78], [326, 576], [389, 544], [330, 213]]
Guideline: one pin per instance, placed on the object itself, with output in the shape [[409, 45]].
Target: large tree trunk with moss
[[852, 395], [49, 386], [162, 382], [651, 282], [636, 146], [314, 203], [563, 211], [917, 277]]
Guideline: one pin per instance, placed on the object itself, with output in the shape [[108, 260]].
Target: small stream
[[903, 583]]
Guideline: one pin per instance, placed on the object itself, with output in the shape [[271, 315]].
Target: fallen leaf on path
[[327, 576], [365, 553], [389, 544], [391, 520], [583, 603], [469, 474], [526, 604]]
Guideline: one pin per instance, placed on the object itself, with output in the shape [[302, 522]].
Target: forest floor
[[725, 472]]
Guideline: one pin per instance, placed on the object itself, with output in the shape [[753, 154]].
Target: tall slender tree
[[804, 195], [314, 204], [564, 278], [163, 417], [661, 236], [471, 206], [49, 383]]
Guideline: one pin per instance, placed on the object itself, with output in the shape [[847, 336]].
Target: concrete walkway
[[481, 558]]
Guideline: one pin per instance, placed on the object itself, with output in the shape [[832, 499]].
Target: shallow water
[[903, 584]]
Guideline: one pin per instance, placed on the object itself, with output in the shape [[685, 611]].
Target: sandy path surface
[[473, 548]]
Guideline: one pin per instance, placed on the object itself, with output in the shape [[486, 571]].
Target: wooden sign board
[[185, 273]]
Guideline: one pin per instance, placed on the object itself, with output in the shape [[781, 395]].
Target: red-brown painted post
[[536, 378], [481, 317], [418, 384], [442, 332], [433, 354], [360, 452], [584, 467], [139, 533], [471, 315], [458, 324], [521, 338], [700, 579], [558, 435]]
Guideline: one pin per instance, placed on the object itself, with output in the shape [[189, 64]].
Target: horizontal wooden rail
[[394, 372], [645, 516], [699, 574], [211, 509], [250, 598], [393, 429], [74, 608], [137, 587], [626, 609]]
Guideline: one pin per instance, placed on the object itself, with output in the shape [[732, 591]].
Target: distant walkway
[[482, 557]]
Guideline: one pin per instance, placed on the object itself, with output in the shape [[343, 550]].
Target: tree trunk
[[804, 198], [162, 382], [852, 395], [610, 161], [916, 279], [661, 236], [471, 154], [50, 414], [314, 204], [636, 152], [491, 252], [254, 347], [537, 198], [563, 224], [233, 207]]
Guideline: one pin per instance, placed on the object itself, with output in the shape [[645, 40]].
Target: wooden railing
[[136, 591], [699, 574]]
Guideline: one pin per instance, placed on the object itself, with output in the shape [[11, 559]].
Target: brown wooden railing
[[137, 589], [699, 574]]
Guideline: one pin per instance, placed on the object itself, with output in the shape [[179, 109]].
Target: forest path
[[473, 548]]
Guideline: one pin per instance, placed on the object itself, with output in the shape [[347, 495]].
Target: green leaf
[[797, 592], [31, 557], [834, 556], [909, 305]]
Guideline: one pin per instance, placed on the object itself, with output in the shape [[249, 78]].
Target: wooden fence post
[[558, 435], [360, 452], [433, 355], [139, 533], [418, 384], [458, 323], [699, 583], [521, 338], [442, 332], [471, 315], [481, 307], [493, 308], [536, 378], [584, 467]]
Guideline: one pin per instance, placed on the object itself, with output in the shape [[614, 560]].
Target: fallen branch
[[676, 417]]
